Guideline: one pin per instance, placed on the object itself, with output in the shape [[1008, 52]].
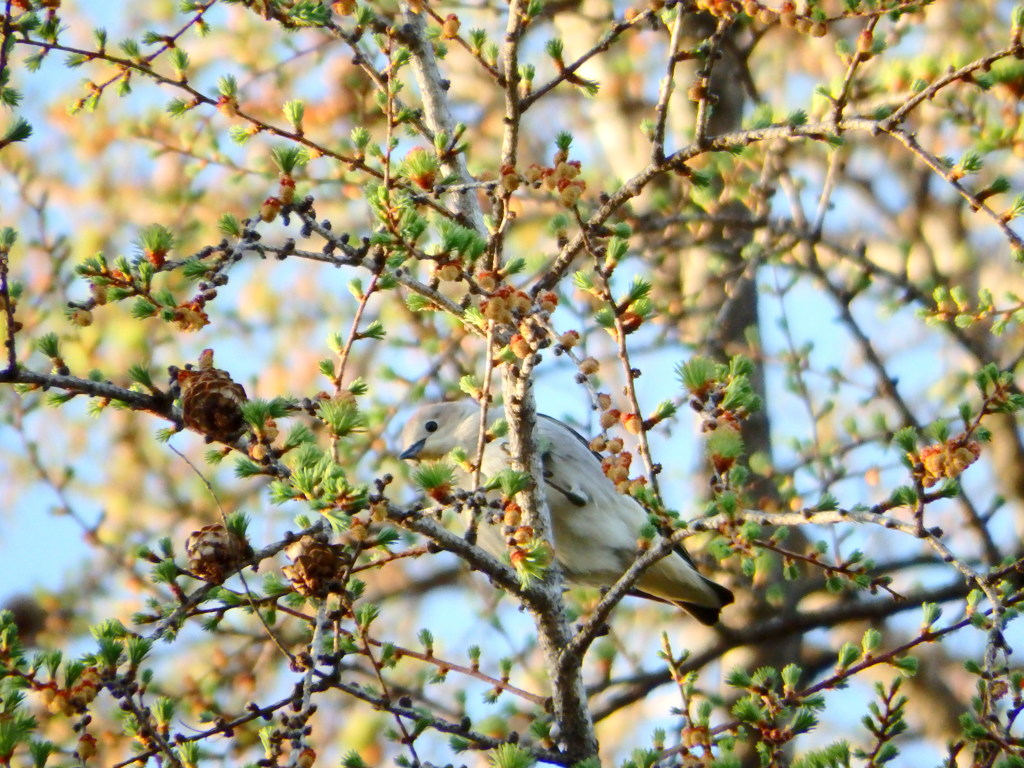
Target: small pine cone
[[450, 27], [315, 565], [512, 515], [80, 317], [270, 208], [227, 106], [548, 301], [210, 400], [214, 553], [948, 459], [569, 339], [962, 455], [523, 534], [81, 694], [520, 302], [306, 758], [86, 746], [60, 704], [510, 180], [449, 271], [190, 316], [520, 347], [487, 281], [287, 186], [569, 192], [618, 475], [497, 309], [632, 422], [270, 430], [534, 173], [933, 460]]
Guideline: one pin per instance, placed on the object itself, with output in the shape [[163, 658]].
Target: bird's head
[[434, 430]]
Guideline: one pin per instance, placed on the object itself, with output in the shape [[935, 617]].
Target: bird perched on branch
[[595, 528]]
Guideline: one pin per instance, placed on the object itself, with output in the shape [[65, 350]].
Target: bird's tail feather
[[702, 613], [724, 594], [705, 614]]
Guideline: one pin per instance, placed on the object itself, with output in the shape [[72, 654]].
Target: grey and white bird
[[595, 528]]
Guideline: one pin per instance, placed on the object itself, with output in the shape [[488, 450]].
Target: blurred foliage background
[[816, 201]]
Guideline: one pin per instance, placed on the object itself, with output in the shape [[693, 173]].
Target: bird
[[595, 528]]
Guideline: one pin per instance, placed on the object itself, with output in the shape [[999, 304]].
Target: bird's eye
[[430, 426]]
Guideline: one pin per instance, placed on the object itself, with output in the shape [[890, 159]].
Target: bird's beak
[[413, 450]]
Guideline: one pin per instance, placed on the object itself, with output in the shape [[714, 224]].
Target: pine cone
[[211, 401], [214, 553], [314, 566]]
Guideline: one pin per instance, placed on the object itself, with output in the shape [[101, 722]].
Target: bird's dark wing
[[559, 458], [555, 480]]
